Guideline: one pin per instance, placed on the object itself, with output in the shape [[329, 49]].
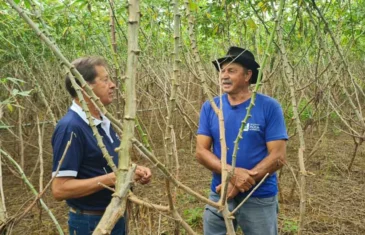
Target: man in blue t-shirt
[[84, 170], [262, 149]]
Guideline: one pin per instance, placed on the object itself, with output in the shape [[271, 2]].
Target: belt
[[86, 212]]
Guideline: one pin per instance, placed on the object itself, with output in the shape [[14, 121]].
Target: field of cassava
[[159, 54]]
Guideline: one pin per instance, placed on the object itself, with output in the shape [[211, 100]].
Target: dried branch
[[34, 191], [168, 175]]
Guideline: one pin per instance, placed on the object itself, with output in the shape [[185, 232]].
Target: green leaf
[[193, 6], [13, 80], [65, 31], [14, 92], [215, 30], [25, 93], [262, 6], [251, 24], [7, 101], [4, 127], [105, 18], [10, 107], [27, 4]]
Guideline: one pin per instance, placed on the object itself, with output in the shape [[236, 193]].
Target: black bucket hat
[[241, 56]]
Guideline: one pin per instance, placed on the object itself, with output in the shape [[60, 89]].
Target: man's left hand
[[142, 175]]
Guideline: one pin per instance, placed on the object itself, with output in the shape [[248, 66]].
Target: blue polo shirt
[[265, 124], [84, 158]]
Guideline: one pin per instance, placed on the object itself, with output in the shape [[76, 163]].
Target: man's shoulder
[[207, 104], [217, 99], [71, 120], [266, 100]]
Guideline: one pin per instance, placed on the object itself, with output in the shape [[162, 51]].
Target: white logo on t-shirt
[[252, 127]]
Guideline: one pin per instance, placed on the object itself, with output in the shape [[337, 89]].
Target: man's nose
[[224, 75], [112, 85]]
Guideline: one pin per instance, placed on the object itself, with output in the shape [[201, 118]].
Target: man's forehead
[[227, 65], [100, 67], [101, 70]]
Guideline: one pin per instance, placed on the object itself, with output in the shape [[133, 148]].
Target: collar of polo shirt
[[105, 122]]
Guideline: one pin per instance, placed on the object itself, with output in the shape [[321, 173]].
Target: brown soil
[[335, 196]]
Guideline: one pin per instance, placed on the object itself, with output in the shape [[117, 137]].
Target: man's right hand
[[243, 179], [232, 191]]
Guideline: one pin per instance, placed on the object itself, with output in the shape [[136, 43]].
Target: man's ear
[[248, 75], [90, 85]]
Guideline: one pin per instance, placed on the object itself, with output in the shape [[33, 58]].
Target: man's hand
[[232, 191], [142, 175], [243, 179]]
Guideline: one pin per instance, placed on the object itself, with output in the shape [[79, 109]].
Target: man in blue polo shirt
[[262, 149], [84, 167]]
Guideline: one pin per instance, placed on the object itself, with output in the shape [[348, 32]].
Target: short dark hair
[[86, 67]]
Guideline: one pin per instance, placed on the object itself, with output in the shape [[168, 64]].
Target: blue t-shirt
[[84, 158], [265, 124]]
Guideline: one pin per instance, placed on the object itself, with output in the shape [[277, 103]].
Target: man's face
[[102, 86], [234, 78]]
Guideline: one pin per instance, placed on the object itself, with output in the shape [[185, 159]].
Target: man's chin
[[226, 91], [107, 102]]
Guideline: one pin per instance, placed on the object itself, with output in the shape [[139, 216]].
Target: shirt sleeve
[[204, 128], [275, 128], [73, 156]]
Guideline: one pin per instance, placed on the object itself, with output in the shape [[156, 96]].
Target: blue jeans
[[81, 224], [257, 216]]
